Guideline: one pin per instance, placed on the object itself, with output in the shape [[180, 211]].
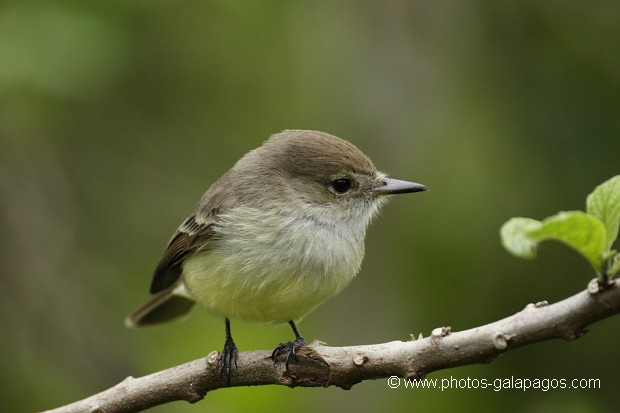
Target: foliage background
[[115, 116]]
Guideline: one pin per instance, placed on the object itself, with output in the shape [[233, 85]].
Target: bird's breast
[[274, 266]]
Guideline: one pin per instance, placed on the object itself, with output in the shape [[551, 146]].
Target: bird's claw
[[229, 357], [291, 348]]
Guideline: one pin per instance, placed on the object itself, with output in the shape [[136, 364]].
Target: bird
[[274, 237]]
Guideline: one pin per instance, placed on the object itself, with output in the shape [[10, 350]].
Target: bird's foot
[[229, 357], [291, 348]]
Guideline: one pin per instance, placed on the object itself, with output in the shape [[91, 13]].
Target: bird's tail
[[161, 307]]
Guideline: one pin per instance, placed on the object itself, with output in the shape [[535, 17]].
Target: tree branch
[[321, 365]]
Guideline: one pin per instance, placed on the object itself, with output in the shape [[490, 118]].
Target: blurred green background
[[115, 116]]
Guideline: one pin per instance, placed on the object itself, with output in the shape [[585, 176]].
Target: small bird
[[278, 234]]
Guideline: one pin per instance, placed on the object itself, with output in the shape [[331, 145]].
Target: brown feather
[[161, 307], [190, 236]]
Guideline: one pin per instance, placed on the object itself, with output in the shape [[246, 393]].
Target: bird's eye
[[342, 185]]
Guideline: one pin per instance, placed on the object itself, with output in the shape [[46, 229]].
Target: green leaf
[[615, 265], [515, 239], [582, 232], [585, 233], [604, 203]]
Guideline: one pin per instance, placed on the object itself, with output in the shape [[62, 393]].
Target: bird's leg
[[291, 346], [229, 354]]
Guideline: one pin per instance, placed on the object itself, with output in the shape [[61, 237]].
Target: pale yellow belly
[[276, 295]]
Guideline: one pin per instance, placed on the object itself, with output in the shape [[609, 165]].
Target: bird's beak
[[395, 186]]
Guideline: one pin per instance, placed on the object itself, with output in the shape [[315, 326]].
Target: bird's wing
[[191, 235]]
